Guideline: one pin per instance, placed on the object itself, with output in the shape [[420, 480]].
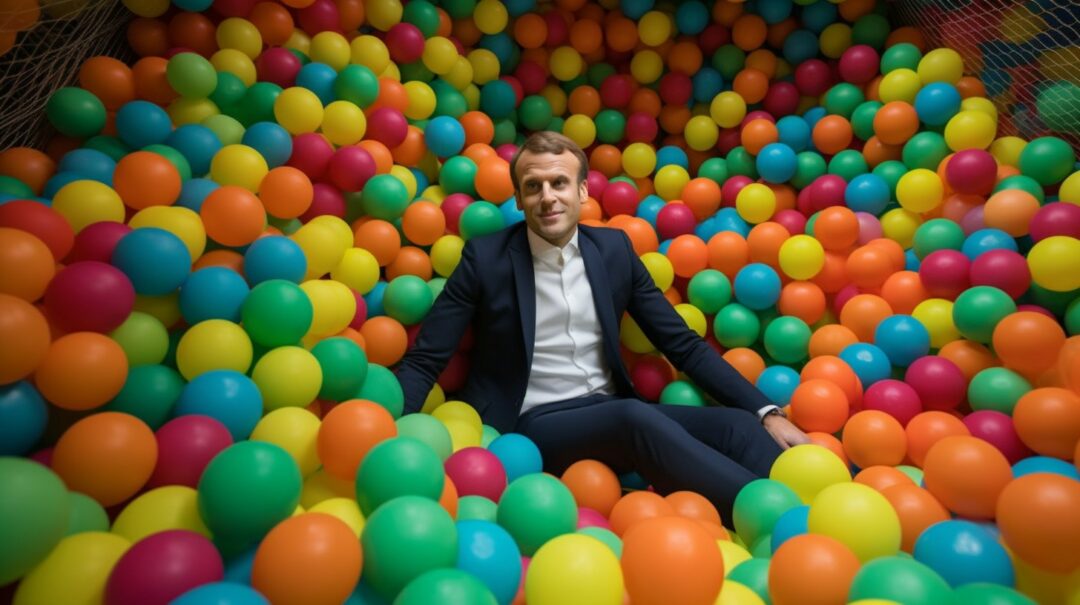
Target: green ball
[[459, 9], [1072, 317], [191, 75], [357, 84], [536, 508], [258, 104], [925, 150], [35, 507], [1024, 183], [408, 299], [344, 367], [505, 132], [842, 99], [229, 90], [1048, 160], [871, 30], [610, 126], [1057, 107], [753, 574], [75, 112], [423, 15], [480, 218], [900, 579], [729, 61], [762, 547], [416, 71], [978, 310], [247, 489], [937, 234], [228, 130], [535, 112], [739, 161], [86, 515], [787, 339], [149, 394], [809, 165], [109, 145], [997, 389], [985, 593], [12, 186], [488, 434], [758, 507], [401, 466], [715, 169], [598, 72], [709, 290], [382, 387], [405, 538], [848, 164], [913, 472], [143, 339], [900, 56], [862, 119], [458, 175], [445, 586], [556, 124], [175, 158], [449, 102], [384, 197], [436, 285], [682, 392], [736, 326], [476, 508], [276, 312], [428, 430], [891, 171], [608, 537]]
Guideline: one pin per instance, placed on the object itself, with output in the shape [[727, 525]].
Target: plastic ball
[[574, 568], [858, 517], [39, 516], [1053, 263], [535, 509], [807, 470], [801, 257], [1025, 510], [1048, 160], [952, 466], [937, 103], [77, 569], [163, 566], [409, 524], [970, 129]]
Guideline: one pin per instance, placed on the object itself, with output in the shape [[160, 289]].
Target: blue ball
[[757, 286], [962, 552], [985, 240], [497, 99], [272, 142], [57, 181], [1045, 464], [213, 293], [692, 17], [506, 51], [814, 114], [728, 219], [22, 418], [775, 11], [374, 299], [319, 78], [88, 164], [516, 8], [649, 208], [707, 228], [794, 522], [663, 247], [444, 136], [778, 383], [868, 361], [634, 9], [707, 84], [195, 6], [670, 154], [903, 338], [221, 593], [800, 45], [510, 212], [936, 103], [518, 454], [156, 261], [488, 552], [819, 15], [867, 193], [238, 567], [777, 163], [911, 260], [194, 191], [422, 181], [142, 123], [794, 132], [274, 257], [198, 144], [227, 396]]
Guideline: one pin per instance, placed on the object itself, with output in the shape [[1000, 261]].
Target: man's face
[[550, 194]]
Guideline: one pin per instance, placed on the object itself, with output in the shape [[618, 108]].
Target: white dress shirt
[[568, 352]]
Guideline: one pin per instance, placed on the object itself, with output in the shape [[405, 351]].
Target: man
[[544, 300]]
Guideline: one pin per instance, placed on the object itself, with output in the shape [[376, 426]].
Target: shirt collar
[[545, 250]]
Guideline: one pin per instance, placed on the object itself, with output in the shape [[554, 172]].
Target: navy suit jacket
[[493, 289]]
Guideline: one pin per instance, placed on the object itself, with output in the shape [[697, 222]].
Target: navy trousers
[[714, 451]]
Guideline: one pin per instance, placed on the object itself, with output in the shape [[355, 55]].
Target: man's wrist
[[770, 410]]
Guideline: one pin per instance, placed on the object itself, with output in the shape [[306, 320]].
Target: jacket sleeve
[[667, 330], [440, 332]]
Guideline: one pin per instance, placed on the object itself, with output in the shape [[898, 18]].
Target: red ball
[[532, 77], [405, 42], [729, 139], [971, 171], [452, 206], [1056, 218], [311, 154], [90, 296], [320, 16], [813, 77], [859, 64], [558, 29], [827, 191], [475, 471], [163, 566], [616, 90], [506, 151], [939, 382], [713, 37], [97, 241], [731, 188], [619, 198], [895, 398], [597, 184], [792, 220], [42, 222], [277, 64], [996, 428], [186, 444], [782, 99], [325, 200], [1002, 269], [642, 128], [676, 88], [387, 126], [350, 167], [945, 273], [453, 376], [650, 375], [674, 220]]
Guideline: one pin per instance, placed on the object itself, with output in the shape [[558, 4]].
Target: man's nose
[[547, 191]]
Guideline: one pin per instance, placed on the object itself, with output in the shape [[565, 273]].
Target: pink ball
[[506, 151], [650, 375], [452, 206], [597, 184], [350, 167], [641, 128], [843, 296], [939, 382], [1057, 218], [326, 200], [859, 64], [387, 126], [802, 202], [674, 220], [676, 88], [619, 198], [812, 77], [729, 139], [997, 429], [974, 220], [731, 188], [826, 191], [971, 171], [361, 311], [755, 115], [476, 472], [782, 99], [869, 227], [532, 76], [1002, 269], [895, 398], [277, 64], [320, 16], [1037, 309], [97, 241], [616, 90], [944, 273], [163, 566], [588, 517], [311, 153], [792, 220], [405, 42], [186, 444], [90, 296]]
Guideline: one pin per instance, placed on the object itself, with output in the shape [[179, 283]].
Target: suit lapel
[[525, 288]]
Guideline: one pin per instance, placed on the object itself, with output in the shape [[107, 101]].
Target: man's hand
[[784, 432]]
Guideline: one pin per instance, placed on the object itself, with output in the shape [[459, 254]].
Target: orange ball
[[967, 475], [26, 264], [642, 235], [449, 498], [151, 82], [148, 37], [1038, 521], [386, 340], [194, 31], [811, 569], [869, 266], [25, 334], [347, 434], [872, 437], [728, 252], [863, 313], [636, 507], [917, 509], [593, 484], [645, 100], [804, 300], [832, 134], [685, 58], [1028, 342], [233, 216], [836, 371], [927, 428], [29, 165], [478, 127], [1011, 210], [493, 180], [971, 357], [819, 405], [82, 371], [391, 94], [748, 32], [904, 291], [530, 30], [896, 122], [607, 159], [830, 443], [584, 100], [688, 255], [286, 192], [108, 456], [275, 22], [757, 134], [833, 275], [109, 79], [837, 228], [751, 84], [875, 152], [412, 150], [701, 195], [671, 560], [765, 240], [478, 152], [830, 339], [586, 36], [381, 239], [309, 558], [673, 118], [882, 477], [620, 33], [693, 505], [423, 223], [230, 259], [1048, 421], [746, 362], [384, 159]]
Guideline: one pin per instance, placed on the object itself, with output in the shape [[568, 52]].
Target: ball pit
[[228, 246]]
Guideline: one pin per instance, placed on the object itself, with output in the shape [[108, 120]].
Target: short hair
[[547, 141]]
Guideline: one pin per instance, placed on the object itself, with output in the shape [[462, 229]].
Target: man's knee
[[638, 414]]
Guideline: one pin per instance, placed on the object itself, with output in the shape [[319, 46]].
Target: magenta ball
[[311, 154], [387, 126], [558, 29], [802, 202], [90, 296], [757, 114], [641, 128], [1057, 218], [729, 191], [676, 88], [532, 76], [813, 77], [1003, 269], [186, 444], [674, 220], [597, 184], [971, 171], [619, 198], [826, 191], [616, 90], [869, 227], [782, 99], [587, 517], [476, 471], [945, 273], [843, 296], [650, 375], [161, 567], [452, 207], [939, 382], [792, 220], [325, 200], [859, 64], [506, 151], [320, 16], [1037, 309], [277, 64], [361, 311], [997, 429], [350, 168], [405, 42], [97, 241], [974, 220], [893, 397]]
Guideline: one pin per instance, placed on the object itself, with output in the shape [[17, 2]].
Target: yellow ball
[[435, 397], [182, 222], [406, 177], [188, 110], [298, 40], [331, 48], [461, 74], [936, 315], [639, 160], [446, 254], [733, 593], [160, 509], [857, 516], [472, 97], [214, 344], [581, 129], [340, 231], [391, 72], [801, 257], [941, 65], [383, 14], [899, 225], [343, 123], [920, 190], [458, 411], [632, 337], [321, 486], [574, 569], [370, 52], [733, 555], [970, 129], [83, 203], [1006, 150], [1021, 24], [235, 62], [239, 165], [147, 8], [333, 306], [358, 270], [980, 104], [728, 109], [294, 430], [835, 39], [808, 469], [485, 65], [298, 110], [322, 248], [440, 55], [490, 16], [566, 63], [701, 133], [421, 100], [241, 35], [654, 28], [660, 268], [344, 509], [556, 97], [670, 181], [755, 203], [287, 377], [694, 318], [1070, 189], [647, 66], [76, 571], [1055, 263], [463, 435], [165, 309], [900, 85]]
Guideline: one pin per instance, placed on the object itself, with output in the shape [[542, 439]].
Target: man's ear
[[583, 189]]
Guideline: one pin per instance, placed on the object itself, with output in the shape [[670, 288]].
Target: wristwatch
[[773, 411]]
